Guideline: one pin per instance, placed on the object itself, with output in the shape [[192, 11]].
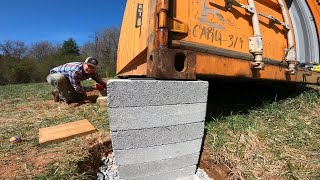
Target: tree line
[[21, 63]]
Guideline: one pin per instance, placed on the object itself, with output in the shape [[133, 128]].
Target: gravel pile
[[108, 171], [202, 175]]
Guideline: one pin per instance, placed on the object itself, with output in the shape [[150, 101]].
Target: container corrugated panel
[[197, 39]]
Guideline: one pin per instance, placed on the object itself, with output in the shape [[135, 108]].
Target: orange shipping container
[[200, 39]]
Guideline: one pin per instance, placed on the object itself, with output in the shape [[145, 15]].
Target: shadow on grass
[[228, 108], [91, 164], [227, 97]]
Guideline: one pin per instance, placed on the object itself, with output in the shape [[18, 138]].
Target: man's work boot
[[55, 94]]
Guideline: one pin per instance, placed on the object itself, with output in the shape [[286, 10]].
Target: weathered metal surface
[[206, 38], [164, 63]]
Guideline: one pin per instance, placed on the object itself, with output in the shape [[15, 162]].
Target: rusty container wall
[[211, 24], [196, 39], [137, 28]]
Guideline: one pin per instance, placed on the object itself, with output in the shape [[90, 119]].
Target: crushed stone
[[108, 171]]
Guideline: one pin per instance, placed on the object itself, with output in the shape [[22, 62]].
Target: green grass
[[275, 140], [25, 108], [278, 140]]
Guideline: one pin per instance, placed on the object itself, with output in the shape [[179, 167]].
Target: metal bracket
[[256, 48], [255, 44], [273, 21], [230, 3], [290, 58], [178, 26]]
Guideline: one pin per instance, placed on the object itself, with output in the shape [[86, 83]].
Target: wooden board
[[65, 131]]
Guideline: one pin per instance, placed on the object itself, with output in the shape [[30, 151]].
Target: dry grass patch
[[264, 131], [28, 107], [278, 140]]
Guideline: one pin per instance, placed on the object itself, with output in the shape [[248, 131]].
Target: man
[[66, 80]]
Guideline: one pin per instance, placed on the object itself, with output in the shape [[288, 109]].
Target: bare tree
[[110, 39], [89, 49], [104, 47], [15, 49], [42, 49]]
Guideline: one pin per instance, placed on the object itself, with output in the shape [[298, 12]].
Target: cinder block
[[155, 126], [156, 153], [137, 93], [102, 101], [155, 116], [157, 167], [141, 138], [172, 175]]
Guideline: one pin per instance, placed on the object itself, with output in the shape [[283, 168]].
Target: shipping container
[[204, 39]]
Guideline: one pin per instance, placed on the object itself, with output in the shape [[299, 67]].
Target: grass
[[275, 140], [25, 108], [259, 133]]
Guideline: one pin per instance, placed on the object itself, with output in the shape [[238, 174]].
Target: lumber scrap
[[65, 131]]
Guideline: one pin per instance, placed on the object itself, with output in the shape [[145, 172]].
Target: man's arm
[[76, 82], [97, 79]]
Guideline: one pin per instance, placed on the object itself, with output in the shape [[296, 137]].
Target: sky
[[32, 21]]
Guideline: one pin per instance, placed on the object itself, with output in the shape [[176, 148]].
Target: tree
[[70, 47], [42, 49], [109, 43], [89, 49], [104, 47], [14, 49]]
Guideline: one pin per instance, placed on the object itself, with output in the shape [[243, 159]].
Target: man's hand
[[100, 87]]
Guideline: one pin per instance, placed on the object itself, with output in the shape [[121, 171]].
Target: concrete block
[[157, 167], [156, 153], [141, 138], [102, 101], [137, 93], [155, 125], [171, 175], [155, 116]]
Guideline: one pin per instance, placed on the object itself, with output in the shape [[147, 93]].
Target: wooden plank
[[65, 131]]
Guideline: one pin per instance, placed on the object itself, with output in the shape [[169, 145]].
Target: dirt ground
[[97, 145], [31, 159], [36, 160], [24, 116]]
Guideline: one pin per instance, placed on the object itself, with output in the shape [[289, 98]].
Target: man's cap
[[91, 61]]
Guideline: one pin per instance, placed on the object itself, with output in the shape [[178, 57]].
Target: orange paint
[[212, 26], [314, 6]]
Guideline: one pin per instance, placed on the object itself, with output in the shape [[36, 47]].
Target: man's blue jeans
[[66, 91]]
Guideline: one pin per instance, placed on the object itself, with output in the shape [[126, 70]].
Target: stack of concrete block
[[156, 127]]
